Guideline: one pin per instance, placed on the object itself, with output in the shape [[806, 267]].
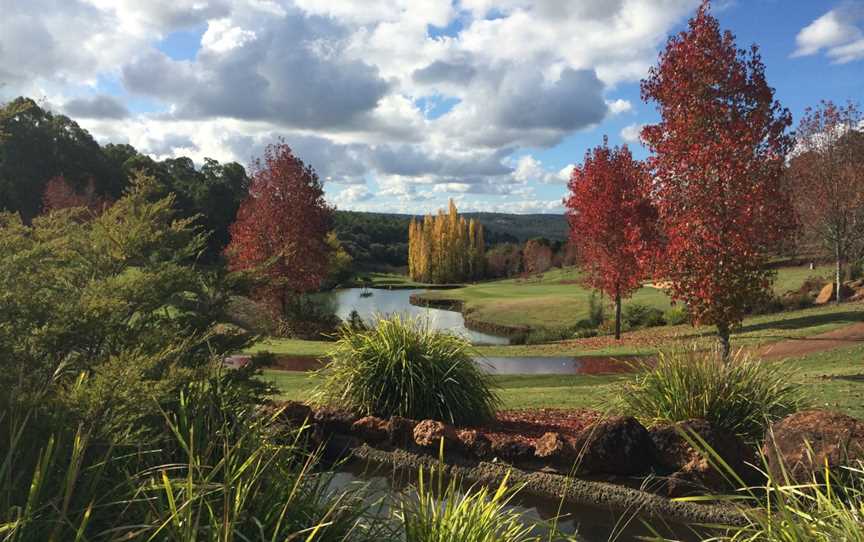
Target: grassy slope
[[756, 331], [557, 299], [835, 380]]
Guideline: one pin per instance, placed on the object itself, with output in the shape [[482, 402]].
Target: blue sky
[[399, 104]]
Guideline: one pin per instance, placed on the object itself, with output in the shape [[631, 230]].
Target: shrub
[[596, 312], [676, 316], [638, 315], [742, 395], [401, 367], [797, 301], [440, 511]]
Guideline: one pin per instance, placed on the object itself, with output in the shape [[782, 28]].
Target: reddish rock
[[370, 429], [553, 448], [804, 442], [512, 450], [295, 412], [692, 470], [400, 431], [618, 445], [429, 433], [334, 420], [474, 443]]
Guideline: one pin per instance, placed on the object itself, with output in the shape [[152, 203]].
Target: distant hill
[[381, 239], [524, 227]]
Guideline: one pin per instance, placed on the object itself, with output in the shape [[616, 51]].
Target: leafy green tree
[[114, 314]]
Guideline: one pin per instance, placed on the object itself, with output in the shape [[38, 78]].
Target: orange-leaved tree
[[827, 175], [281, 228], [719, 152], [612, 222]]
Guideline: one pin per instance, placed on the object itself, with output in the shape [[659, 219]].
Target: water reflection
[[383, 302]]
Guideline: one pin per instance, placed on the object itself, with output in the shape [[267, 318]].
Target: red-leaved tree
[[612, 222], [827, 174], [281, 228], [59, 194], [718, 162]]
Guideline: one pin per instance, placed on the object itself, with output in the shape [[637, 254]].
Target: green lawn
[[756, 331], [558, 299], [834, 379]]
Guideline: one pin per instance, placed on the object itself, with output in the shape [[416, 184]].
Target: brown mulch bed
[[529, 425]]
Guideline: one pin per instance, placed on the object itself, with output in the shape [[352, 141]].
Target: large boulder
[[474, 443], [333, 420], [512, 450], [370, 429], [804, 443], [693, 469], [617, 445], [555, 450], [428, 434], [828, 293], [400, 431]]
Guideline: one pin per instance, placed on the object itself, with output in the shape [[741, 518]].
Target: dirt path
[[790, 348]]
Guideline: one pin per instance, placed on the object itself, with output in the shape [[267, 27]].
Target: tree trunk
[[617, 316], [838, 272], [723, 335]]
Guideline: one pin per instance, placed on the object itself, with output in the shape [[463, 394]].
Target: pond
[[584, 523], [586, 365], [383, 302]]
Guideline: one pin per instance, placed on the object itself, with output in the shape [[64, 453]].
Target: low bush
[[676, 316], [797, 301], [741, 395], [636, 315], [401, 367], [596, 311]]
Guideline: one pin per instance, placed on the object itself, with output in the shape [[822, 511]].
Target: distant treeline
[[381, 239], [39, 146]]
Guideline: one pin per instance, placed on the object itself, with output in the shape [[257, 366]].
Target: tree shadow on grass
[[813, 320]]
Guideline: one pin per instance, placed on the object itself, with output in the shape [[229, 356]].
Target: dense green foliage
[[741, 395], [400, 367], [38, 145]]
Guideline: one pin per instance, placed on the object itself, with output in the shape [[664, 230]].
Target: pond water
[[584, 523], [383, 302], [495, 365]]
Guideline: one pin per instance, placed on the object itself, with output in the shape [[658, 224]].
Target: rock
[[618, 445], [691, 468], [370, 429], [294, 413], [826, 294], [474, 443], [553, 448], [513, 451], [429, 433], [804, 442], [334, 421], [400, 431]]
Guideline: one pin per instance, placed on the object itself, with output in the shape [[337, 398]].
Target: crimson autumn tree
[[281, 228], [612, 222], [827, 177], [59, 194], [718, 161]]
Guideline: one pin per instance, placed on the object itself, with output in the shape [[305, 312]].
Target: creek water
[[584, 523], [384, 302]]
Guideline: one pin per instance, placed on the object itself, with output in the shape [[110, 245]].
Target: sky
[[398, 104]]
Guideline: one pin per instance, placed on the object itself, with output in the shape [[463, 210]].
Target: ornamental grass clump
[[401, 367], [742, 394]]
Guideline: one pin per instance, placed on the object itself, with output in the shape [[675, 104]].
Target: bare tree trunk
[[617, 316], [723, 335], [838, 271]]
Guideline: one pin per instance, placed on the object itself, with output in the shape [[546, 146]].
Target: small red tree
[[537, 256], [59, 194], [612, 222], [281, 228], [718, 161], [827, 175]]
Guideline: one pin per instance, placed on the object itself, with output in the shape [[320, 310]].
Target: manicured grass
[[756, 331], [558, 299], [834, 379], [385, 280]]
